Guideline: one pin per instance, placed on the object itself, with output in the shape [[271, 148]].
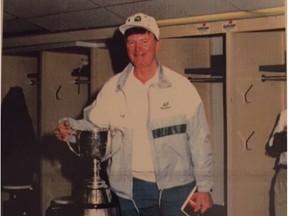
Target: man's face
[[142, 49]]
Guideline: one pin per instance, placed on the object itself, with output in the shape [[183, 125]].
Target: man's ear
[[158, 45]]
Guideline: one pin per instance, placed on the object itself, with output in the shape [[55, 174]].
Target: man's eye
[[130, 43]]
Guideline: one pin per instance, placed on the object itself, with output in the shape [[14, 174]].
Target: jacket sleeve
[[98, 112], [201, 151]]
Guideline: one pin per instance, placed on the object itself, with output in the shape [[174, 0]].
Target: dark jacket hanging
[[19, 155]]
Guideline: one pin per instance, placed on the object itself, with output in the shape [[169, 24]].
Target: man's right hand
[[63, 131]]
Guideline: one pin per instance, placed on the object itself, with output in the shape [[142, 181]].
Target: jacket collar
[[163, 82]]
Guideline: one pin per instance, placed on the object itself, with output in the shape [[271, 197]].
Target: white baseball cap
[[143, 21]]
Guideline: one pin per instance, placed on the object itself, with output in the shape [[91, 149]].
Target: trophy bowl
[[93, 144]]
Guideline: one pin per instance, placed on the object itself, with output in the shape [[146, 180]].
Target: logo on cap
[[137, 19]]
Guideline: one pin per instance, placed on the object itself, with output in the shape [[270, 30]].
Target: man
[[166, 149]]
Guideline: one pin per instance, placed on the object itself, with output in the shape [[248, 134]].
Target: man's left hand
[[201, 201]]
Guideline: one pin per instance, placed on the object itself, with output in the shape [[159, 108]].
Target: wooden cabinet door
[[252, 107]]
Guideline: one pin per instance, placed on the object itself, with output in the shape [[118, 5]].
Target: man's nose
[[138, 47]]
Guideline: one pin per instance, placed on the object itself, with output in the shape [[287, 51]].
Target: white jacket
[[179, 133]]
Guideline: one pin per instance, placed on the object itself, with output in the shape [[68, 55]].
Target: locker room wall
[[251, 44]]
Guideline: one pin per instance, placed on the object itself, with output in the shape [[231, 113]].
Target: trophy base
[[99, 211], [63, 206], [96, 193]]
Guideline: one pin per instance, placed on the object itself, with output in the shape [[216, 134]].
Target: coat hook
[[34, 78], [58, 93], [246, 93], [33, 82], [247, 141]]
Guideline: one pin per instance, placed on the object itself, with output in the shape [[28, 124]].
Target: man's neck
[[145, 74]]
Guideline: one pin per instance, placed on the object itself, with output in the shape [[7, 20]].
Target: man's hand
[[63, 131], [201, 202]]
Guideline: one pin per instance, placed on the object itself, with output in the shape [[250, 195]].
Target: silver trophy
[[95, 146]]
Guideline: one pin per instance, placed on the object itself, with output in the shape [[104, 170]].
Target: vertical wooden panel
[[58, 163], [249, 170]]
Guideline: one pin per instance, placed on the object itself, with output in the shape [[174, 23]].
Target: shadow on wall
[[117, 50], [73, 168], [57, 152]]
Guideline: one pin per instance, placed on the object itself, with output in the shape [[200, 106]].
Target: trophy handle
[[71, 149], [113, 133], [74, 133]]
